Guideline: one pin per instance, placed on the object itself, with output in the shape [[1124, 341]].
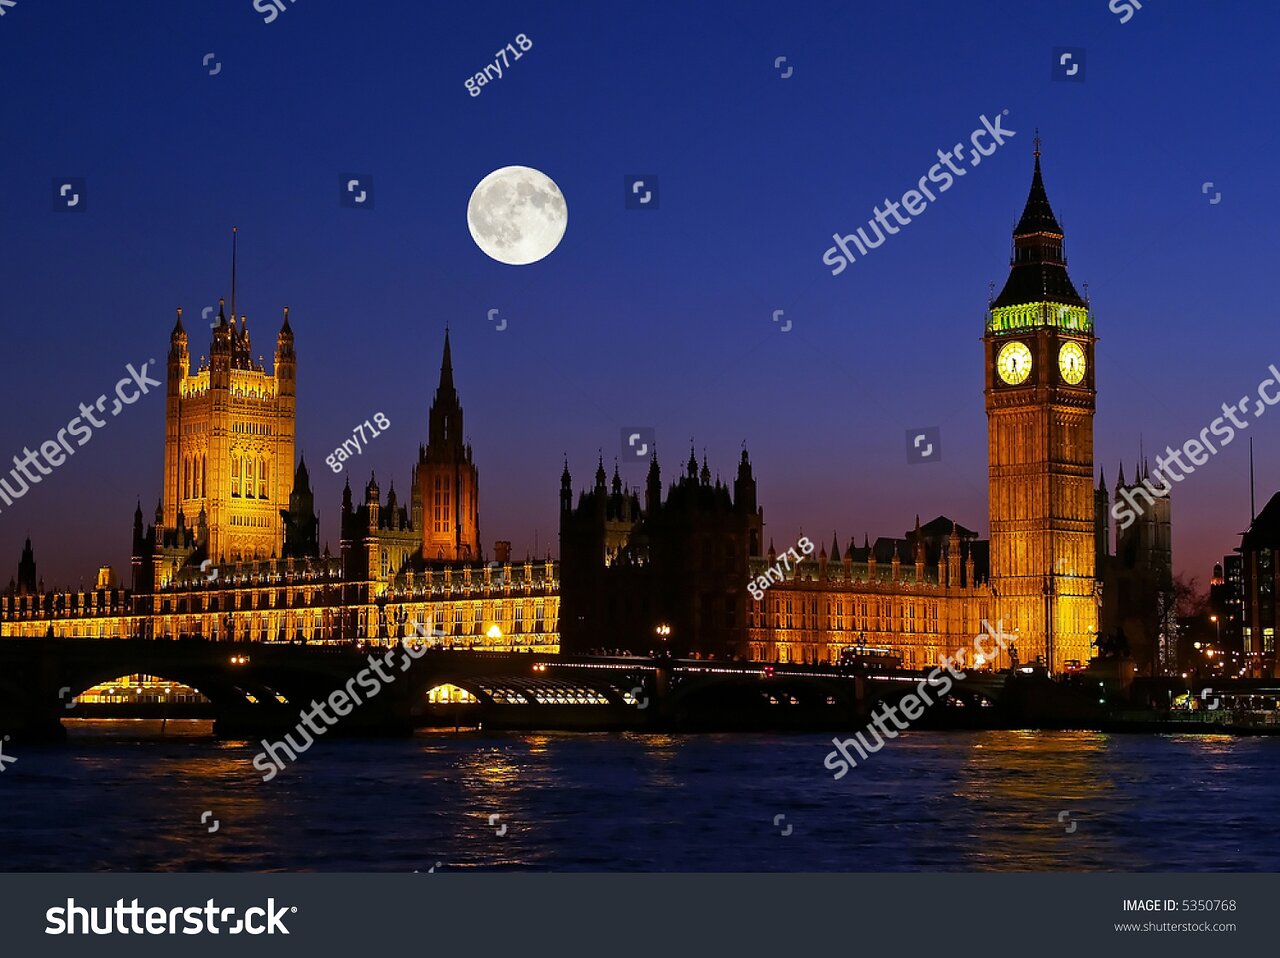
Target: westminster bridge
[[256, 687], [259, 687]]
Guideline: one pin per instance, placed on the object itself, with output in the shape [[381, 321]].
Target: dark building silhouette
[[301, 524], [680, 563], [1137, 580], [26, 584], [1226, 601], [1259, 549]]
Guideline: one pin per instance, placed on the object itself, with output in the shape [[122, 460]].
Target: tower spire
[[1038, 270], [234, 230], [446, 363]]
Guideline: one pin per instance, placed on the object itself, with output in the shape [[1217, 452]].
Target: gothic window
[[186, 478], [262, 479], [249, 473], [200, 491], [235, 477]]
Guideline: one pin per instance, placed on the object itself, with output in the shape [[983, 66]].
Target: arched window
[[186, 478], [235, 477], [250, 470], [203, 463], [262, 479]]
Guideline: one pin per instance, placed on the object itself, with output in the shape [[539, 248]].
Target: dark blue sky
[[657, 317]]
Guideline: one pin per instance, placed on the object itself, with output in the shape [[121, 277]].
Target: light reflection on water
[[118, 795]]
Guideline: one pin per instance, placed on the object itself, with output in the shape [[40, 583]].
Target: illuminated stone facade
[[229, 434], [233, 553], [513, 607], [867, 598]]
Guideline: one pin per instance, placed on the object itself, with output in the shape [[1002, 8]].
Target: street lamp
[[663, 631]]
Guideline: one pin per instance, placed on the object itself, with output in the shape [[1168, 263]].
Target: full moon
[[517, 215]]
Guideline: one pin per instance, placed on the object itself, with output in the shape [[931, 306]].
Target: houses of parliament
[[233, 554]]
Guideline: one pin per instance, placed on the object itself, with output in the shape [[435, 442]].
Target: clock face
[[1014, 363], [1071, 363]]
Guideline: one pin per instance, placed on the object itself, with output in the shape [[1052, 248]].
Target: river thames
[[117, 796]]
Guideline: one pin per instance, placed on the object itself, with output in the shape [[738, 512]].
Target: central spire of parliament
[[448, 482], [444, 435]]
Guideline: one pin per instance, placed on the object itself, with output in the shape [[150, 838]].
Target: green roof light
[[1011, 319]]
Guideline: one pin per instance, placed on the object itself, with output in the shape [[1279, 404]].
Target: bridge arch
[[205, 683], [497, 691], [149, 688]]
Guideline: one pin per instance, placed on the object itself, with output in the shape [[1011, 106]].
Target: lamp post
[[663, 631]]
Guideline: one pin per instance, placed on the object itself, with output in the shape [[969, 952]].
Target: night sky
[[641, 317]]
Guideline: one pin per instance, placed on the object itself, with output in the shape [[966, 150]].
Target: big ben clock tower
[[1040, 390]]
